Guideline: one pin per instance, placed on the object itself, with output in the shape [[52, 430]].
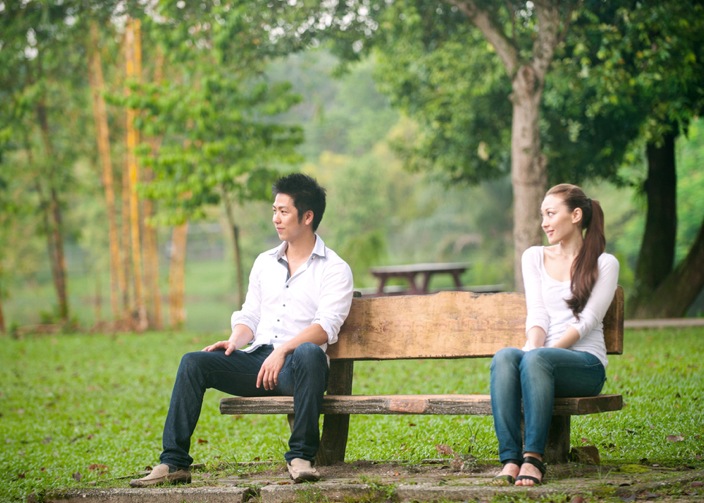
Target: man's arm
[[269, 372]]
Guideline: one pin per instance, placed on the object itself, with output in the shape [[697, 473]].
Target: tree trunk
[[133, 70], [674, 295], [528, 164], [2, 316], [126, 268], [528, 167], [657, 252], [151, 249], [229, 213], [177, 265], [661, 291], [53, 220], [151, 266], [56, 218], [100, 116]]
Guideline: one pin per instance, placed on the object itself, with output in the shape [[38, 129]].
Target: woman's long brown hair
[[585, 268]]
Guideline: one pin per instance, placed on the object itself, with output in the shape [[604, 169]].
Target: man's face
[[286, 221]]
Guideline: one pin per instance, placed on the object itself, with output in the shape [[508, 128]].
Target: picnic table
[[410, 272]]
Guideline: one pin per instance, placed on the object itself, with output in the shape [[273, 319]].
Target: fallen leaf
[[76, 476], [202, 441], [675, 438], [445, 449]]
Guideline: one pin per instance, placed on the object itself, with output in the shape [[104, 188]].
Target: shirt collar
[[318, 250]]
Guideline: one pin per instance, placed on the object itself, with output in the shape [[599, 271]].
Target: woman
[[569, 286]]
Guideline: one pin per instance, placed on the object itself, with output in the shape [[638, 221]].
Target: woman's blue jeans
[[536, 377], [303, 376]]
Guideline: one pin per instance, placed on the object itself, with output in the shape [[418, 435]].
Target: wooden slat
[[448, 324], [411, 404]]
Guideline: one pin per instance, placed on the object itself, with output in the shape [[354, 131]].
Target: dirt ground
[[572, 482], [440, 480]]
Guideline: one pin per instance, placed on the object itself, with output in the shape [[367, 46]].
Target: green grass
[[78, 410]]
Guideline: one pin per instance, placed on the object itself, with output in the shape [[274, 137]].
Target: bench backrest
[[448, 324]]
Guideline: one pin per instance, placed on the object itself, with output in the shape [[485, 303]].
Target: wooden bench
[[449, 324]]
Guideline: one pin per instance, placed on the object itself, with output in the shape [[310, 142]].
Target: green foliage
[[626, 71], [437, 69], [93, 412], [213, 116]]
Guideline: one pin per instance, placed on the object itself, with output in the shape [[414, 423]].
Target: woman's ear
[[577, 215]]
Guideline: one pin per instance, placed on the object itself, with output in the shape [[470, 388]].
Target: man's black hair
[[306, 194]]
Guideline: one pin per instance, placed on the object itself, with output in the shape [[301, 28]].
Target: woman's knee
[[537, 364], [507, 357]]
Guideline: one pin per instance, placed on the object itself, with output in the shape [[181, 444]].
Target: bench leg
[[333, 442], [558, 446]]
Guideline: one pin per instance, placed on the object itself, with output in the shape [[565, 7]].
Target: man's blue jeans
[[303, 376], [536, 377]]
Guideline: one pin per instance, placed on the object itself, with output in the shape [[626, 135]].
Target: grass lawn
[[76, 410]]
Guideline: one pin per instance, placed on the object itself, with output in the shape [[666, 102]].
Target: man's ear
[[308, 217]]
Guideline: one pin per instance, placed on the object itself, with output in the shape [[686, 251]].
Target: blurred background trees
[[128, 176]]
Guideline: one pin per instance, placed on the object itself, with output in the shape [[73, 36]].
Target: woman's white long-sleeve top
[[546, 302]]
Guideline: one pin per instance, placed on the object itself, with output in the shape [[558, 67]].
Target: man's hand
[[269, 372], [228, 346], [239, 338]]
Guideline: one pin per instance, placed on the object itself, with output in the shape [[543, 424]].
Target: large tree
[[650, 57], [620, 71], [38, 77]]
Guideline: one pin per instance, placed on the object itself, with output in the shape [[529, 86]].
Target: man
[[299, 295]]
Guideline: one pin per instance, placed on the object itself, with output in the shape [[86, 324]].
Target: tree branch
[[547, 36], [492, 31]]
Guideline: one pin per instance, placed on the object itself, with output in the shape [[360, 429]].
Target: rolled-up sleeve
[[602, 296], [250, 314], [335, 299]]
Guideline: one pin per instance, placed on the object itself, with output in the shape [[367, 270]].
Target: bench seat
[[474, 405]]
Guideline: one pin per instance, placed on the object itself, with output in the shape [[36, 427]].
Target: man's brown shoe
[[301, 470], [160, 474]]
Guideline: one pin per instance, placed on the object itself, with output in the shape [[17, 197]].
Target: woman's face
[[559, 223]]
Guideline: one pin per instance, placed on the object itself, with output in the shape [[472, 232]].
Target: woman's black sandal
[[506, 480], [539, 465]]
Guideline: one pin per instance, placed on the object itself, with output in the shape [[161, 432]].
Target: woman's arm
[[599, 301], [537, 318]]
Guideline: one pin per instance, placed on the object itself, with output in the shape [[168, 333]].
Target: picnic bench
[[410, 272], [447, 324]]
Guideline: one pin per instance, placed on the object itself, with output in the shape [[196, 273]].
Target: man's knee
[[309, 354], [192, 362]]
